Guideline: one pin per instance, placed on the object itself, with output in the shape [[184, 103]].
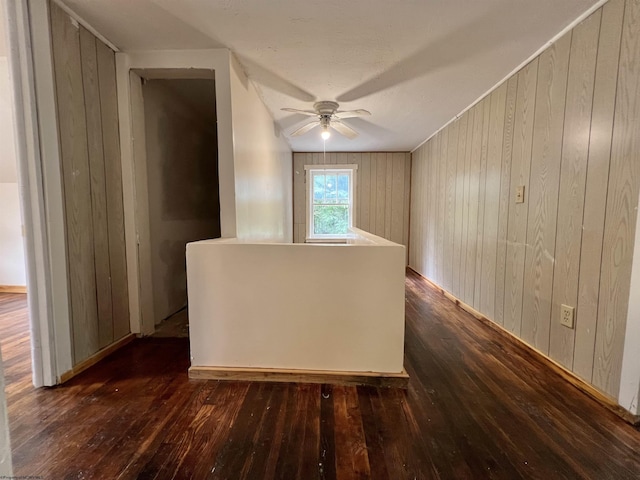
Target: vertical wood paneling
[[492, 201], [450, 212], [596, 186], [573, 173], [381, 194], [465, 205], [77, 183], [93, 115], [459, 200], [364, 179], [474, 192], [504, 199], [569, 134], [484, 147], [406, 202], [518, 212], [86, 100], [430, 198], [373, 198], [416, 221], [622, 202], [441, 182], [298, 188], [396, 206], [388, 184], [113, 180], [543, 196]]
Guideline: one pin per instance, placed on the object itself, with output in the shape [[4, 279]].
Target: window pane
[[318, 188], [331, 192], [330, 219], [343, 188]]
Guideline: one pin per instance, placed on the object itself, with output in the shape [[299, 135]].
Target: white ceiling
[[413, 63]]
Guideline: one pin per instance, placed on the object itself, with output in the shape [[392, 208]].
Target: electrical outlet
[[520, 194], [566, 316]]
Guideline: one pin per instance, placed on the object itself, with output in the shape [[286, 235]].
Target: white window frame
[[352, 169]]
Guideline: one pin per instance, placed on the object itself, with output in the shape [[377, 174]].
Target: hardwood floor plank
[[476, 407]]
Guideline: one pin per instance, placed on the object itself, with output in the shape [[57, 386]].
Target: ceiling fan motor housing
[[325, 108]]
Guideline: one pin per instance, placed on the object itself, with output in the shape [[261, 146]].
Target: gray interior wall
[[182, 175]]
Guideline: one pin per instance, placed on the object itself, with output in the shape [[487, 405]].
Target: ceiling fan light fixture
[[328, 115]]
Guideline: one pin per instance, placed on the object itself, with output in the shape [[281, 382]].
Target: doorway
[[178, 175]]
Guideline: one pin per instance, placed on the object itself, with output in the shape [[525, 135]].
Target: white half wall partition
[[300, 307]]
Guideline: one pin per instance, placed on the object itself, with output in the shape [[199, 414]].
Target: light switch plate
[[520, 194]]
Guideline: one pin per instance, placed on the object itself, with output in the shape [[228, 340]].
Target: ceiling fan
[[328, 117]]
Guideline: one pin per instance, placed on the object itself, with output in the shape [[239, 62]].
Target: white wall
[[12, 267], [297, 306], [182, 186], [263, 166]]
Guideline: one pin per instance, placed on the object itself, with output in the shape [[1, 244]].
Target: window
[[330, 201]]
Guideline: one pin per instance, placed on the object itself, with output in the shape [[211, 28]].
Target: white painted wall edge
[[538, 52], [630, 375], [212, 59], [40, 189]]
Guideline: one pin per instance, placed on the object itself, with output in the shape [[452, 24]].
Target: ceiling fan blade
[[352, 113], [343, 129], [304, 129], [310, 113]]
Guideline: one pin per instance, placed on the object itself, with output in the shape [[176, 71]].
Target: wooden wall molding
[[602, 398], [13, 289], [387, 380], [96, 357]]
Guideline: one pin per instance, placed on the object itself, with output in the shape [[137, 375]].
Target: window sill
[[326, 240]]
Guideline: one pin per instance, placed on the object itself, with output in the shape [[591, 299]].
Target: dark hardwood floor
[[475, 408]]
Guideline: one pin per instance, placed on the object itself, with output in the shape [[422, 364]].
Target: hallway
[[476, 407]]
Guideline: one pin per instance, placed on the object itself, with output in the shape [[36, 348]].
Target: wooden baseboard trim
[[602, 398], [385, 380], [96, 357], [13, 289]]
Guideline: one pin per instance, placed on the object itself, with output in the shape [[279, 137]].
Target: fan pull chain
[[324, 151]]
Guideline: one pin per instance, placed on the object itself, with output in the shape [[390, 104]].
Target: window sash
[[315, 170]]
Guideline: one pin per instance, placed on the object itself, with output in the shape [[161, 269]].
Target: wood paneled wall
[[85, 77], [566, 127], [382, 191]]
